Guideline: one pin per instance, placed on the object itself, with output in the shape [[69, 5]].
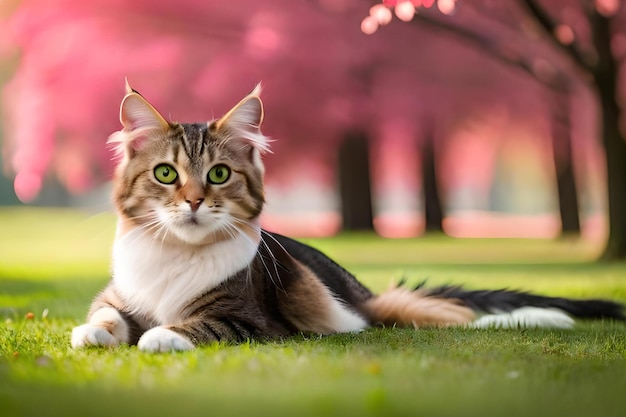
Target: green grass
[[56, 260]]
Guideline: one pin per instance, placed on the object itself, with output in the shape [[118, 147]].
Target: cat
[[191, 264]]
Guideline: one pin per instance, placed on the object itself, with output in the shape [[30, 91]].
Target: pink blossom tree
[[590, 34], [323, 79]]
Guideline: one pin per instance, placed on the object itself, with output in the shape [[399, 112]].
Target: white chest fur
[[158, 279]]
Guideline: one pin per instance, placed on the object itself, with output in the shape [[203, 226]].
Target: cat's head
[[194, 183]]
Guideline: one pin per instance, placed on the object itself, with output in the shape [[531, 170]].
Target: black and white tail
[[456, 306], [511, 309]]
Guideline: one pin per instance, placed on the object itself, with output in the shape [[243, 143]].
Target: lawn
[[52, 262]]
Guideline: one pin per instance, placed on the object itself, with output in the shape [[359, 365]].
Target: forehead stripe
[[185, 142], [194, 139]]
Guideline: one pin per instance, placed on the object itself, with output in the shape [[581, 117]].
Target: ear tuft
[[128, 88], [244, 120]]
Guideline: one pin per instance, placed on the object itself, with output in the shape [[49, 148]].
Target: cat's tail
[[454, 306]]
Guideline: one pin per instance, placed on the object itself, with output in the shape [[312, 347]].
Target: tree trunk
[[615, 151], [433, 213], [606, 78], [354, 182], [563, 164]]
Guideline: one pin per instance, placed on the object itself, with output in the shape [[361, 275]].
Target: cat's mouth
[[191, 220], [194, 228]]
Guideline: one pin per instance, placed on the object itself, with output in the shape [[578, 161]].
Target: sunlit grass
[[53, 243], [52, 262]]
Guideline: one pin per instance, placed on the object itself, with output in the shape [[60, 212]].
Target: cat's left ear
[[244, 121]]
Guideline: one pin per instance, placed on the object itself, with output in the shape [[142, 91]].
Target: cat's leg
[[106, 325], [225, 314], [310, 306], [205, 327], [200, 329]]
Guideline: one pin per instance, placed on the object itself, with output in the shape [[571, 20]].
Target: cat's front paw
[[90, 335], [106, 327], [161, 339]]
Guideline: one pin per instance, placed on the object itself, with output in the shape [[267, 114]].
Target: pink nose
[[195, 204]]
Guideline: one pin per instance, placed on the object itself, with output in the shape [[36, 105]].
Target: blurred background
[[476, 118]]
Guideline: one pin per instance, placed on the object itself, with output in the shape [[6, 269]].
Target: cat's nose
[[195, 204]]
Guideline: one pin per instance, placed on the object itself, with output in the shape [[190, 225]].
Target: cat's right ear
[[140, 120], [137, 114]]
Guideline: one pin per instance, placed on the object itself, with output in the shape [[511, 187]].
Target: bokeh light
[[381, 13], [405, 11], [369, 25]]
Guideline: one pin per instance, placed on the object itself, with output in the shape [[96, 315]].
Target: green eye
[[219, 174], [165, 174]]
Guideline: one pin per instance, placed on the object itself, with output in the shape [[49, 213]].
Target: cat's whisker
[[278, 285], [227, 228], [135, 234], [235, 222], [263, 232], [233, 231], [145, 219], [157, 230], [149, 214], [163, 228], [156, 226], [152, 227], [230, 227], [141, 232]]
